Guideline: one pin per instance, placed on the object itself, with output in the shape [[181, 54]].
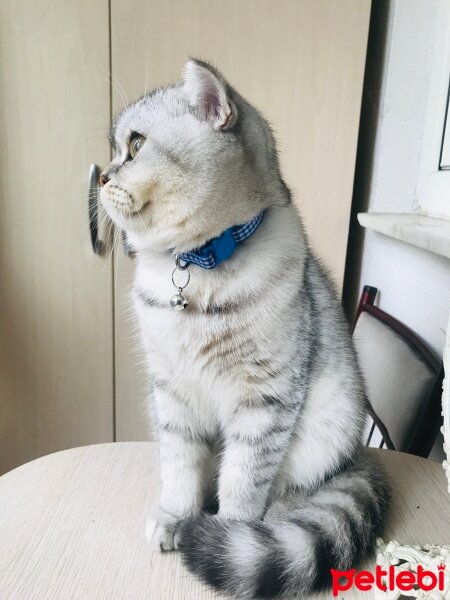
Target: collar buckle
[[222, 247]]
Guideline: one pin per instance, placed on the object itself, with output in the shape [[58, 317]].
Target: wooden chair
[[403, 380]]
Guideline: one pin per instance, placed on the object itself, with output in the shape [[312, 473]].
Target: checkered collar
[[222, 247]]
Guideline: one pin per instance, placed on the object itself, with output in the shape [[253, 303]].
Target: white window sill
[[430, 233]]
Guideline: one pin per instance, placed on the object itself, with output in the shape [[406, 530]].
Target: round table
[[72, 525]]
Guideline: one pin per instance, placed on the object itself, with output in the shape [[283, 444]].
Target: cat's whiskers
[[142, 220], [115, 233], [110, 79], [97, 136], [115, 83], [146, 79], [116, 261], [103, 222], [83, 208]]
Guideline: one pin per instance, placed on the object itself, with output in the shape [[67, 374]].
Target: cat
[[258, 400]]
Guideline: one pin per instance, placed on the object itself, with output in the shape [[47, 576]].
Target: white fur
[[260, 364]]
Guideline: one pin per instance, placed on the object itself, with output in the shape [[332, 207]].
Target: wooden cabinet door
[[56, 354], [302, 63]]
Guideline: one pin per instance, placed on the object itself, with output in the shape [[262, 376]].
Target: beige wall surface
[[56, 367]]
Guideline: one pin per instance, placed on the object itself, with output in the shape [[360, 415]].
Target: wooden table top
[[72, 525]]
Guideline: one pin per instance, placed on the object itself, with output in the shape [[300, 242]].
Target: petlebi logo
[[389, 579]]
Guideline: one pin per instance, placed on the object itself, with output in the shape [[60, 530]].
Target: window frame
[[433, 186]]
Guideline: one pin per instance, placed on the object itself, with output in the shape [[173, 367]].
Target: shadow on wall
[[370, 106]]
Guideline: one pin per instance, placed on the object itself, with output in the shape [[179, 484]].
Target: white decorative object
[[446, 405], [408, 558]]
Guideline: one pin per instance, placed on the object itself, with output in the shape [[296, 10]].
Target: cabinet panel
[[56, 355], [300, 61]]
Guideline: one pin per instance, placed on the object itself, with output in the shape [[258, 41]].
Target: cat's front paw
[[160, 532]]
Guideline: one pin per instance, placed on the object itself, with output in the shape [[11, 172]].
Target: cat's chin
[[120, 203], [126, 215], [127, 220], [130, 210]]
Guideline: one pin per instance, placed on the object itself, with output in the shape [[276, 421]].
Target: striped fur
[[258, 400], [299, 540]]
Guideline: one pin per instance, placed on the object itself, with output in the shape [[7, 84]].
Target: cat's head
[[191, 160]]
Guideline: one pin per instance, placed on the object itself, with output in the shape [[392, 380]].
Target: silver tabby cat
[[258, 400]]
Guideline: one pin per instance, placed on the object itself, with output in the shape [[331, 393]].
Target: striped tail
[[292, 553]]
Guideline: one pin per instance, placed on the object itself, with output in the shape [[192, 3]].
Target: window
[[444, 163], [433, 188]]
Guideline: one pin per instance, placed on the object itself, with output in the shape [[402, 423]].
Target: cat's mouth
[[123, 201]]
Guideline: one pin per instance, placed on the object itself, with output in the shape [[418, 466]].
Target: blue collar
[[222, 247]]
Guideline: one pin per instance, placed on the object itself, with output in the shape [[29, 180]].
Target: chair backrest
[[403, 380]]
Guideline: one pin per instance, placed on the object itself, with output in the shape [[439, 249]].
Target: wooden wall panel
[[56, 355]]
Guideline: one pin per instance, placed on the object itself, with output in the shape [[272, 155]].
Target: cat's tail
[[293, 549]]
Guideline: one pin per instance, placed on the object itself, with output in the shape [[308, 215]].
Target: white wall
[[414, 283]]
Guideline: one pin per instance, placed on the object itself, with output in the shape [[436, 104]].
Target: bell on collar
[[179, 301]]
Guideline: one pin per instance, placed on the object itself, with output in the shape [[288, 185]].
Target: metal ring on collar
[[181, 287], [179, 265]]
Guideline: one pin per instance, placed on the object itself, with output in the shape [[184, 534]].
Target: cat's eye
[[135, 145]]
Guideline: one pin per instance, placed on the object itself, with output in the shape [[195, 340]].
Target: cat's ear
[[207, 90]]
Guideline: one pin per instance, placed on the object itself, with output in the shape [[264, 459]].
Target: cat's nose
[[103, 179]]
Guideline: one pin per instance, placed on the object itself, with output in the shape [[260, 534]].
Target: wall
[[414, 284]]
